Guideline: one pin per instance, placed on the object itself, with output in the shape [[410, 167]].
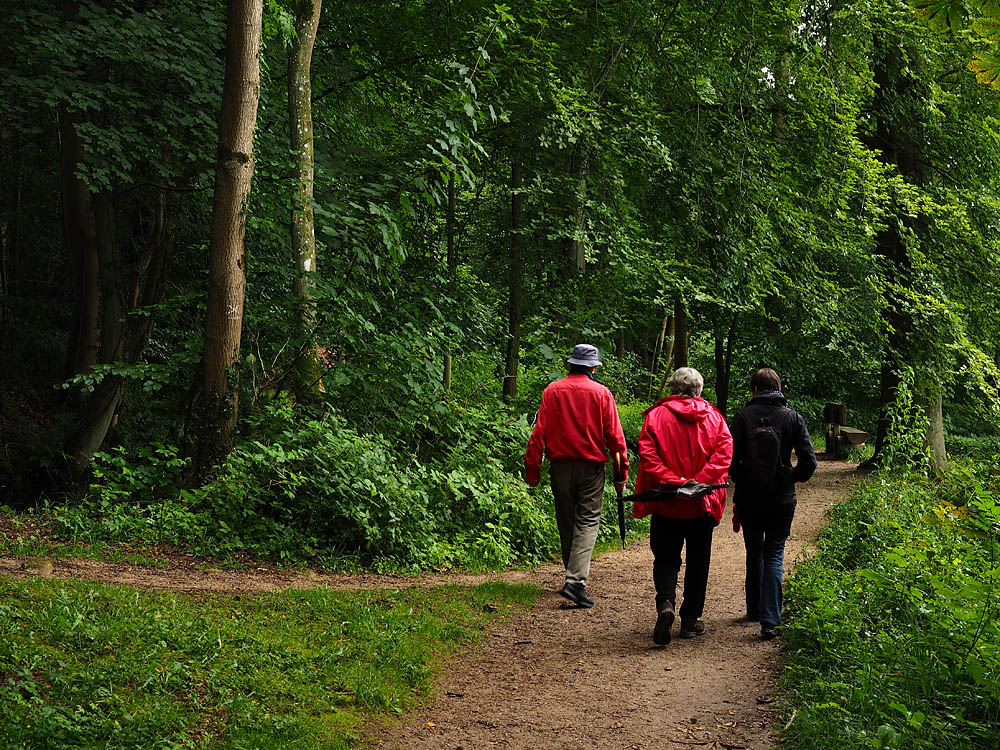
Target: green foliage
[[86, 665], [307, 489], [892, 631]]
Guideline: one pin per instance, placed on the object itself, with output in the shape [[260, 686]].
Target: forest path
[[557, 677], [569, 678]]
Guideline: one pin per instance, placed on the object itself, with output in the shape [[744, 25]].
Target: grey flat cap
[[584, 354]]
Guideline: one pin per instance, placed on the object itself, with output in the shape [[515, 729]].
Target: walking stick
[[619, 475]]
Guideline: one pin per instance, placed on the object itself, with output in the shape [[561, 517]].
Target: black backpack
[[763, 447]]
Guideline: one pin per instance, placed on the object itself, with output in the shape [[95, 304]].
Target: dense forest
[[354, 242], [285, 280]]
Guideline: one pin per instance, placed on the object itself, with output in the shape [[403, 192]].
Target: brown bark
[[227, 272], [515, 290], [308, 365]]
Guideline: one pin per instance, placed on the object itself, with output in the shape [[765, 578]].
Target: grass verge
[[89, 665], [893, 639]]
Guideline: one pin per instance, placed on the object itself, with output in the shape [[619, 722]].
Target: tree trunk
[[667, 357], [133, 332], [657, 352], [892, 149], [108, 269], [574, 250], [309, 375], [723, 361], [680, 334], [227, 272], [932, 404], [449, 263], [514, 296], [78, 237]]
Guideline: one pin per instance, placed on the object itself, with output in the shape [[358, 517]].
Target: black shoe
[[664, 621], [577, 593], [768, 632], [691, 629]]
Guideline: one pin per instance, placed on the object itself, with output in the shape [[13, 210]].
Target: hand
[[620, 487], [736, 521]]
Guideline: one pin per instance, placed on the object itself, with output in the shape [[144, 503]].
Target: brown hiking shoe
[[664, 621], [691, 629]]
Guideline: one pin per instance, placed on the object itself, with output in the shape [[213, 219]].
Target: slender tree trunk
[[227, 272], [657, 351], [309, 375], [723, 361], [933, 410], [108, 268], [667, 357], [450, 261], [680, 334], [514, 296], [782, 79], [78, 234], [574, 250]]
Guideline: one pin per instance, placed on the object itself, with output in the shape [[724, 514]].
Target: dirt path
[[557, 677], [567, 678]]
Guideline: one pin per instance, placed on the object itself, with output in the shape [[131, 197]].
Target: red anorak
[[683, 438], [578, 416]]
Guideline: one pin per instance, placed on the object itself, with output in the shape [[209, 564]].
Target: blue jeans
[[765, 532]]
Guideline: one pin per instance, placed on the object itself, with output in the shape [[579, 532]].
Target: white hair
[[687, 381]]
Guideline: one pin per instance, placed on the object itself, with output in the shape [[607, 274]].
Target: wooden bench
[[839, 437]]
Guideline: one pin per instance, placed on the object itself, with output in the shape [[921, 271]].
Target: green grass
[[893, 636], [88, 665]]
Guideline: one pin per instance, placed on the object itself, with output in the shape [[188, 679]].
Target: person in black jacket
[[765, 432]]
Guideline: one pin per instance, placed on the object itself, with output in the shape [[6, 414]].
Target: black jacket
[[794, 436]]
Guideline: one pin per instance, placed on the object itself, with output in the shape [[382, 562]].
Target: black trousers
[[667, 537]]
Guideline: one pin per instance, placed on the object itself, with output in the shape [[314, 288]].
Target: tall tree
[[227, 260], [309, 367]]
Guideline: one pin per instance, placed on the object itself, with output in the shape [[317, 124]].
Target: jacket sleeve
[[806, 464], [716, 468], [652, 464], [614, 437], [533, 455], [739, 433]]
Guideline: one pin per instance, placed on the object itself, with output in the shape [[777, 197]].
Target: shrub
[[892, 633]]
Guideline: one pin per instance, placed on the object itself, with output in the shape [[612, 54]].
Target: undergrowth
[[892, 636], [304, 489]]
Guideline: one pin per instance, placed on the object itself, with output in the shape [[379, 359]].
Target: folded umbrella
[[689, 489]]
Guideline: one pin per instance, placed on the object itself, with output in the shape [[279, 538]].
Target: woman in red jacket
[[684, 438]]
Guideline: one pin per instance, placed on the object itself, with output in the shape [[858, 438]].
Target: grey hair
[[687, 381]]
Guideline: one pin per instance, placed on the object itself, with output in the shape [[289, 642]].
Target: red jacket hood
[[686, 409]]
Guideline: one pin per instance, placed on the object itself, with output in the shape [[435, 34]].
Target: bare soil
[[574, 678], [559, 677]]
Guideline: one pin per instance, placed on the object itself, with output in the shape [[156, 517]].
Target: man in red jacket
[[684, 439], [577, 419]]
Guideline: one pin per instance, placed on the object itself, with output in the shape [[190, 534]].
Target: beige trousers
[[578, 488]]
